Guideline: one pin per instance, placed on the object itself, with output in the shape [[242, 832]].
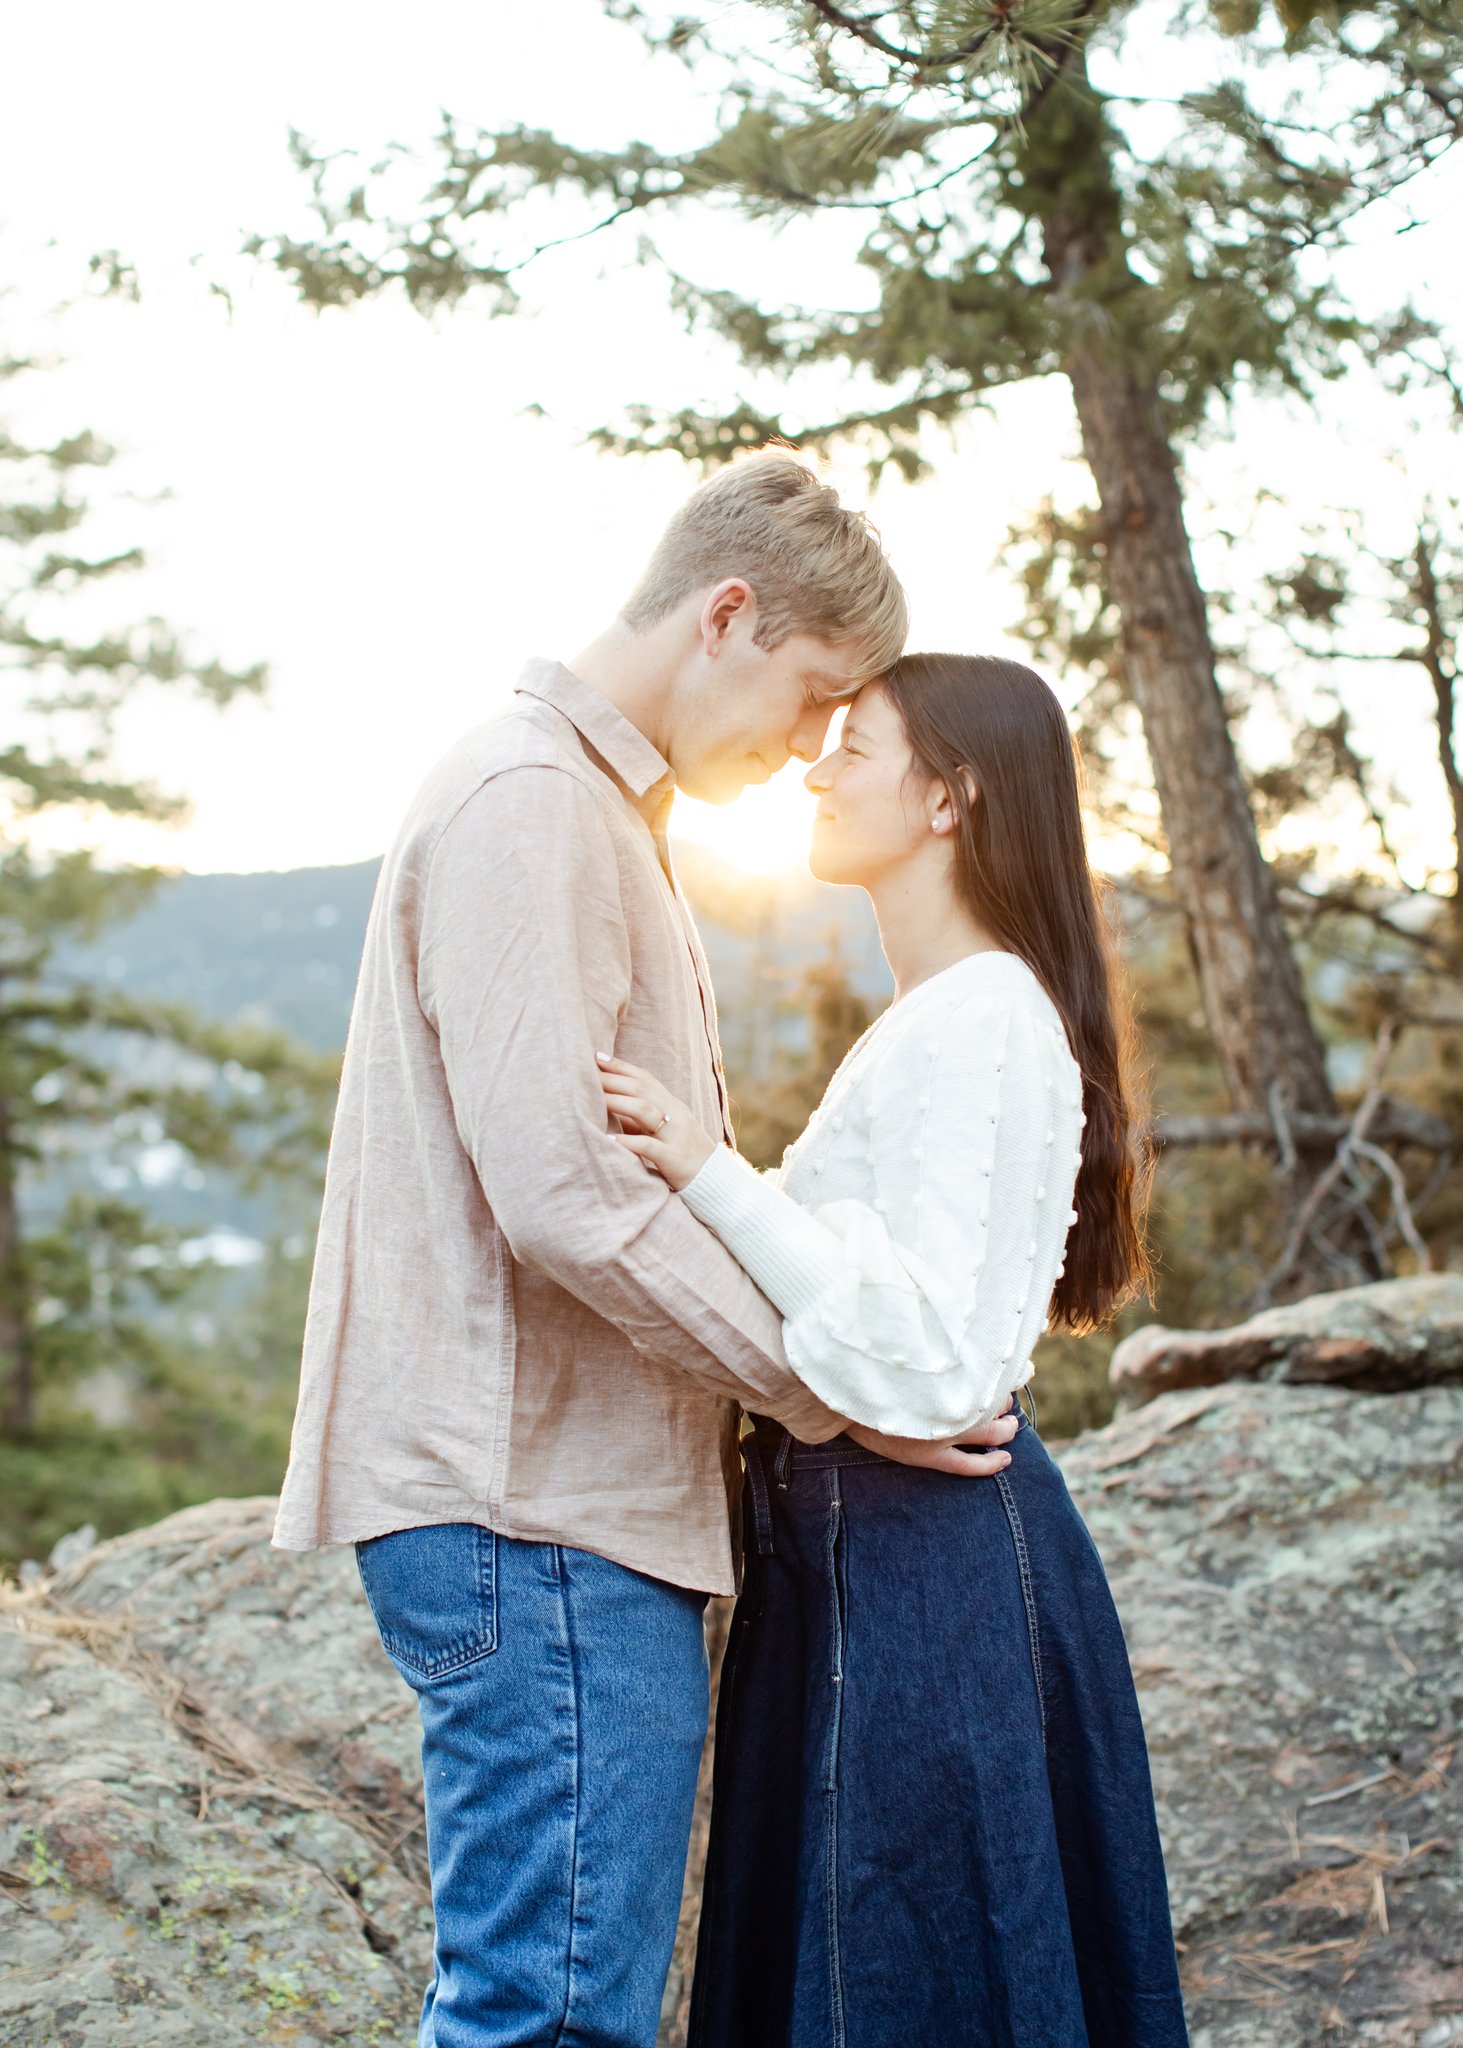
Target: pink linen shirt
[[511, 1322]]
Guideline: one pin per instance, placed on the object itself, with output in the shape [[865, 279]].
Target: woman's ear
[[943, 820]]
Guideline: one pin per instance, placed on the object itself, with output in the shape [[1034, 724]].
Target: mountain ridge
[[281, 947]]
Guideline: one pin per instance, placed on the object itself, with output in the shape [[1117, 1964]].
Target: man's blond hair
[[813, 565]]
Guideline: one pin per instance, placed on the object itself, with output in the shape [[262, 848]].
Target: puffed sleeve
[[915, 1312]]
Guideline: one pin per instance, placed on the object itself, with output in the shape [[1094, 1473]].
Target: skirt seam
[[838, 2035], [1028, 1594]]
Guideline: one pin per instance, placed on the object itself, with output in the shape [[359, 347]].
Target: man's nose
[[810, 732]]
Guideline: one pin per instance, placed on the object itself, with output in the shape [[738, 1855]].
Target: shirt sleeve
[[915, 1312], [524, 969]]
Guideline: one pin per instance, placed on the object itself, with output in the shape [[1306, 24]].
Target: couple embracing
[[571, 1364]]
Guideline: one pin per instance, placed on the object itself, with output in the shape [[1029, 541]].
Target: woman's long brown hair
[[1022, 871]]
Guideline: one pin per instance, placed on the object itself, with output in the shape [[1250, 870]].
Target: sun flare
[[765, 832]]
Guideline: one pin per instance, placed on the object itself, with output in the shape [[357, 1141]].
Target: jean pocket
[[434, 1594]]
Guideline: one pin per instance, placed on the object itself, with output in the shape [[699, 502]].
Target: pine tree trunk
[[1253, 997], [17, 1368], [1254, 1001]]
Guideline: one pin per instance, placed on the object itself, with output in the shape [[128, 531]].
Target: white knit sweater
[[915, 1231]]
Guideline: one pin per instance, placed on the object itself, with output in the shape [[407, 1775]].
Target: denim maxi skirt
[[933, 1820]]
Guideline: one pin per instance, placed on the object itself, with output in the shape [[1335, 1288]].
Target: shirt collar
[[622, 746]]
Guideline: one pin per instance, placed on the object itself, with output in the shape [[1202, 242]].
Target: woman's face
[[874, 813]]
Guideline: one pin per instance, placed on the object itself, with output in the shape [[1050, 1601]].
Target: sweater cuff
[[789, 1254]]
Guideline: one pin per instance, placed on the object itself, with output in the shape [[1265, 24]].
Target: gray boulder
[[1380, 1338], [212, 1826], [1288, 1563]]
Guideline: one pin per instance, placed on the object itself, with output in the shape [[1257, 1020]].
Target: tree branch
[[1308, 1220], [1401, 1211], [1395, 1121], [863, 28], [923, 61], [1439, 660]]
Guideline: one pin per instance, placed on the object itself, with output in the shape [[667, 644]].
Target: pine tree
[[1028, 217], [86, 1072]]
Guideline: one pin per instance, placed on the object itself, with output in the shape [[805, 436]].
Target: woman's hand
[[653, 1125]]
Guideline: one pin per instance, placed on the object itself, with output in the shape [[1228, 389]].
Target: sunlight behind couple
[[765, 832]]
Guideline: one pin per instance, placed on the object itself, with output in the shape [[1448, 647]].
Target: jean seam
[[1028, 1593], [701, 1991], [569, 1960], [835, 1732], [488, 1558]]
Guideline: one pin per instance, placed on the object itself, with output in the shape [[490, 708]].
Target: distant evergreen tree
[[773, 1098], [1028, 217], [88, 1075]]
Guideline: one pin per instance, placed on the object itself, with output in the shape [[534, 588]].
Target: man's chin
[[709, 787]]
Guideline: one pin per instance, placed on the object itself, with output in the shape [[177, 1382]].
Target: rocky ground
[[211, 1829], [1288, 1564]]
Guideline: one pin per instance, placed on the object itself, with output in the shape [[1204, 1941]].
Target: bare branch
[[1401, 1212], [1438, 656], [1284, 1137], [635, 205], [1350, 902], [1307, 1221], [1395, 1121]]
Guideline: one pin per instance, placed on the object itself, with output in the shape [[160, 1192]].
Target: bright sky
[[362, 499]]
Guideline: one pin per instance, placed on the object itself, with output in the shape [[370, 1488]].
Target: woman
[[933, 1822]]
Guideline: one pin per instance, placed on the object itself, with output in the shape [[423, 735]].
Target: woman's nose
[[820, 776]]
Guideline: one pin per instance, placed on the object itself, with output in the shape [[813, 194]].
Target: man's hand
[[946, 1455]]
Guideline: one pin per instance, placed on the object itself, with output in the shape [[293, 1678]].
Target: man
[[524, 1359]]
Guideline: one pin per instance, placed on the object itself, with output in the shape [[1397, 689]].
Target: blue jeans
[[563, 1703]]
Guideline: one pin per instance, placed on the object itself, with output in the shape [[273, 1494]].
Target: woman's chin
[[826, 865]]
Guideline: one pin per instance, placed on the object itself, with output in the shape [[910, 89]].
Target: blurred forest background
[[1182, 226]]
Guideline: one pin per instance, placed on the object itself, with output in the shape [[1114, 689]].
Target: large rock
[[212, 1829], [1288, 1563], [212, 1822], [1380, 1338]]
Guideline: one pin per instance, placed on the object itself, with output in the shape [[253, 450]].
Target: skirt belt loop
[[761, 1505]]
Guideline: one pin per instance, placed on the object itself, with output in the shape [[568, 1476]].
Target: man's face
[[754, 709]]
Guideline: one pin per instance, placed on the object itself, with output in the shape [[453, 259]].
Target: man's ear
[[732, 599]]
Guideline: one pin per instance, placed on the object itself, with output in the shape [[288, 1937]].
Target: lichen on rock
[[212, 1824]]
